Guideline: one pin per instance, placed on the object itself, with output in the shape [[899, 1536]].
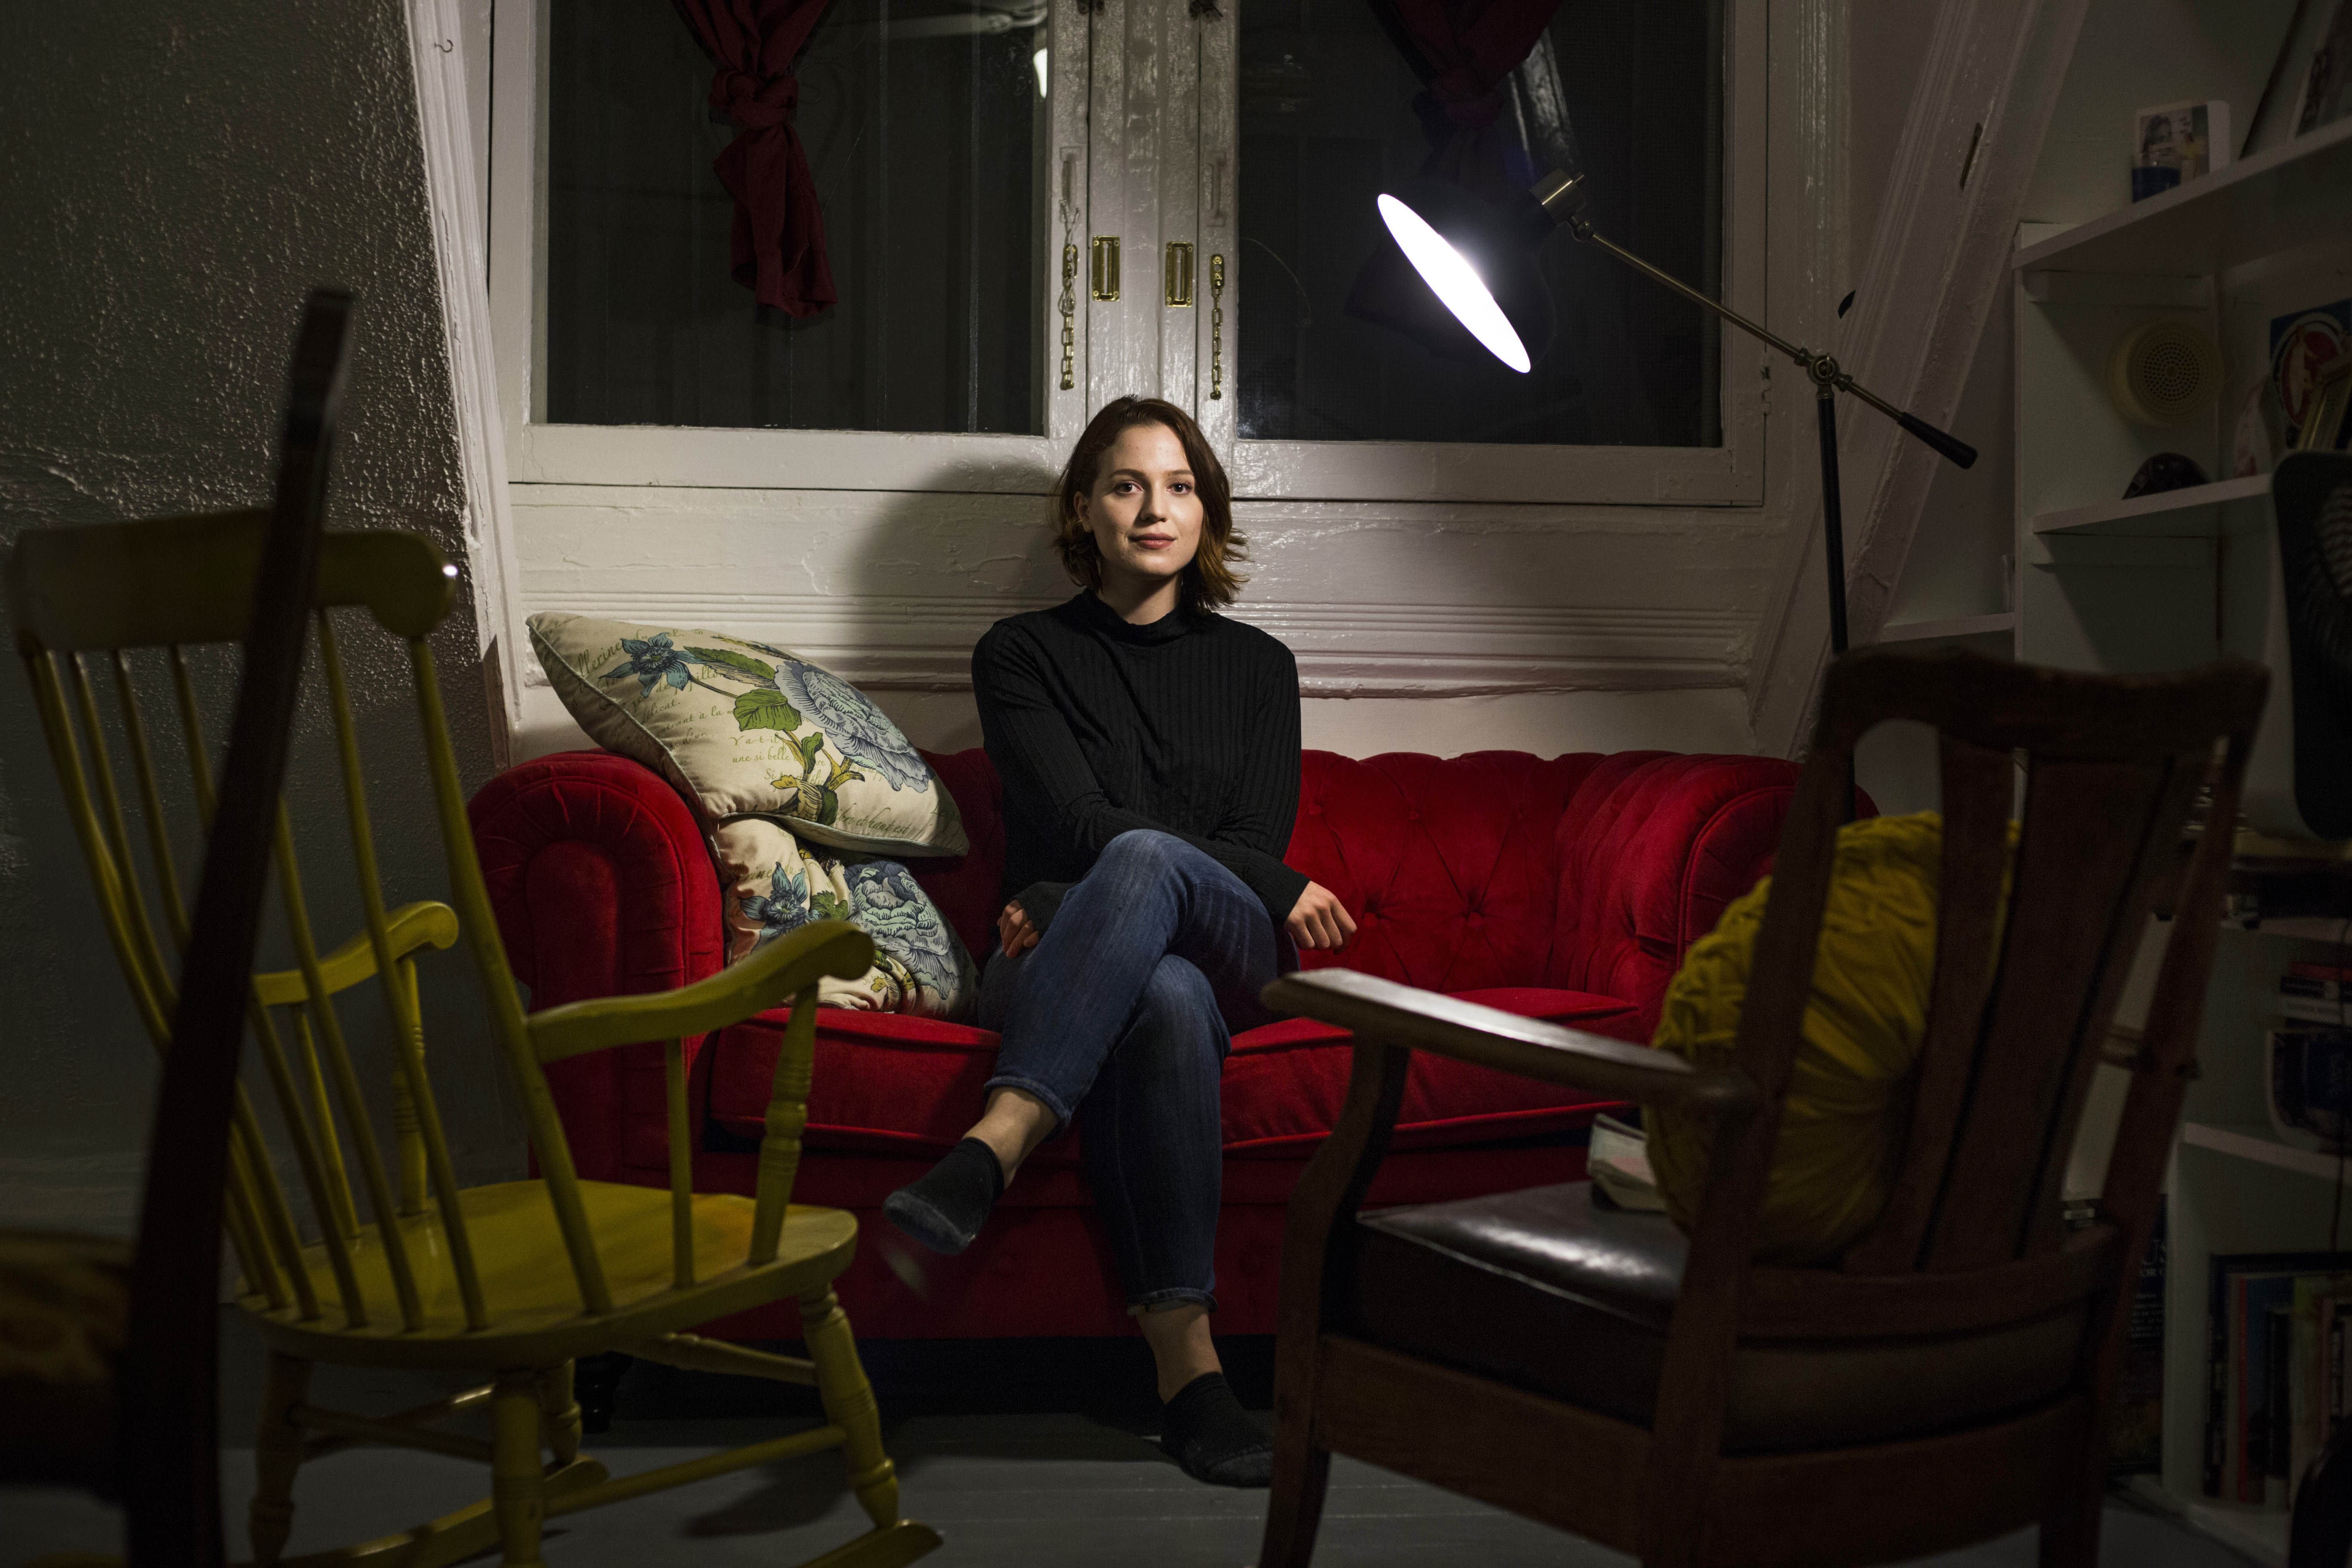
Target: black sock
[[1215, 1438], [945, 1207]]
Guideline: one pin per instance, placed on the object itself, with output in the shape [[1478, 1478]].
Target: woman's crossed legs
[[1121, 1014]]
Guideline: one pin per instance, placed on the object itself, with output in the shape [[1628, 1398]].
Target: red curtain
[[778, 245], [1464, 52]]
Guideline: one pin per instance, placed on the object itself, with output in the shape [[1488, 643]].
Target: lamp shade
[[1479, 261]]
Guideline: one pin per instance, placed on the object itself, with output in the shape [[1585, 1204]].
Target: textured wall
[[172, 179]]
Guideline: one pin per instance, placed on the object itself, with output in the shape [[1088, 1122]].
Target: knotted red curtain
[[1465, 51], [778, 242]]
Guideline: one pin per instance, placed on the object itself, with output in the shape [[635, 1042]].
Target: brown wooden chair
[[113, 1380], [1948, 1380]]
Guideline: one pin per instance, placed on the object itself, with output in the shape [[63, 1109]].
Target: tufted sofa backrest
[[1450, 865]]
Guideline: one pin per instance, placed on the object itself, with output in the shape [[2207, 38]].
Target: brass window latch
[[1106, 267], [1179, 273]]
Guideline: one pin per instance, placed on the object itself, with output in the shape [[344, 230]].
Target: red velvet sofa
[[1565, 889]]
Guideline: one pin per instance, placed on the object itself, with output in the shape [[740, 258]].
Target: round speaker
[[2161, 372]]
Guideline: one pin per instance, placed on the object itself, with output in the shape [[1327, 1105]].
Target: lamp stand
[[1566, 201]]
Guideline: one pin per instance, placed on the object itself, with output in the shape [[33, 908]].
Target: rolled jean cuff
[[1150, 1300], [1030, 1086]]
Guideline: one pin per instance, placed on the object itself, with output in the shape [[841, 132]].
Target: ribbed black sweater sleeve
[[1095, 728]]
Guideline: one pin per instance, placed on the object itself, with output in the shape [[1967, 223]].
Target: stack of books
[[2275, 1355]]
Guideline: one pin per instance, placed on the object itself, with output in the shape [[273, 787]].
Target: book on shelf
[[2257, 1403], [2310, 987]]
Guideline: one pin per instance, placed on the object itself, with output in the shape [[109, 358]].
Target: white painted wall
[[172, 180]]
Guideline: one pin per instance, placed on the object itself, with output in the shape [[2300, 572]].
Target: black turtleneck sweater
[[1189, 725]]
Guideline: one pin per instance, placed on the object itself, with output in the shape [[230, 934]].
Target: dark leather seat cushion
[[1549, 1290]]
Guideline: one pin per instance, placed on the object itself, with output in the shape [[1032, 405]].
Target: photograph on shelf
[[2279, 114], [2174, 143], [2331, 394], [2302, 343], [2327, 85]]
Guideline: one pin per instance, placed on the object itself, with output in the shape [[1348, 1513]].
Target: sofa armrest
[[603, 886], [1651, 848]]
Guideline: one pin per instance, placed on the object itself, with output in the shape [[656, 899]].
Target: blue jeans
[[1121, 1015]]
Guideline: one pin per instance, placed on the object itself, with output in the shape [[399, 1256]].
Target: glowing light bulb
[[1455, 281], [1038, 59]]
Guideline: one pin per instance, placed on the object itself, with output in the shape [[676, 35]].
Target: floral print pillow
[[740, 726], [773, 884]]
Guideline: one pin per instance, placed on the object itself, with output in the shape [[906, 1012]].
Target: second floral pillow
[[772, 884]]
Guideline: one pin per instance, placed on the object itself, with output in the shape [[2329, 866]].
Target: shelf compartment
[[2168, 513], [2270, 201], [2261, 1146], [1947, 627]]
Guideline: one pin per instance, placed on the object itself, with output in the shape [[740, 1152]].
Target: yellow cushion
[[1840, 1126]]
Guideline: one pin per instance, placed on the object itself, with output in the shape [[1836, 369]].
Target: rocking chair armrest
[[411, 926], [1384, 1012], [772, 977]]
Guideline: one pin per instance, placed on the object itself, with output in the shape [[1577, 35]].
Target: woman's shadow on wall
[[925, 575]]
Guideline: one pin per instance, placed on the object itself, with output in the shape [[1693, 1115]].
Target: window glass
[[1328, 120], [921, 124]]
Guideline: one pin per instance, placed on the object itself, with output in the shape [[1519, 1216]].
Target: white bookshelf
[[2168, 580]]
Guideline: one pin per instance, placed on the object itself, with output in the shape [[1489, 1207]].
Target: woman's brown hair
[[1209, 582]]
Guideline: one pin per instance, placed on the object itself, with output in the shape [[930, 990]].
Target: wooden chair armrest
[[1384, 1012], [769, 978], [411, 926]]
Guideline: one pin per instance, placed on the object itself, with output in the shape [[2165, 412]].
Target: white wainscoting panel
[[1376, 599]]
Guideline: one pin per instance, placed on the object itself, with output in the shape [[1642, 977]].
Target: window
[[967, 150]]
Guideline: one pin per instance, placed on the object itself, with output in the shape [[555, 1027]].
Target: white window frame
[[1126, 189]]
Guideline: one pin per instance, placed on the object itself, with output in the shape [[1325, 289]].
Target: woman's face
[[1143, 510]]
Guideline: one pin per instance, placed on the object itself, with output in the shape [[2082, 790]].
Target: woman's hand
[[1319, 919], [1014, 934]]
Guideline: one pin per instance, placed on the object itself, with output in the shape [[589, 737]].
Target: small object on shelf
[[2163, 471], [2311, 1084], [2164, 372], [2331, 394], [2176, 143], [2302, 343]]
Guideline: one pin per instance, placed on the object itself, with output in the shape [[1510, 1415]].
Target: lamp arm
[[1823, 370], [1601, 241]]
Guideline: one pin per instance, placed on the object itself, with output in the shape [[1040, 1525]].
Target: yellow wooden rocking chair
[[517, 1278]]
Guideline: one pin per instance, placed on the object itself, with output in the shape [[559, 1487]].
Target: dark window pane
[[921, 126], [1327, 121]]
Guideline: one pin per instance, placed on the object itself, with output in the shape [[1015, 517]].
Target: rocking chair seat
[[1547, 1291], [527, 1289]]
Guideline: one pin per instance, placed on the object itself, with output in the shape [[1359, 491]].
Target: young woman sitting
[[1148, 750]]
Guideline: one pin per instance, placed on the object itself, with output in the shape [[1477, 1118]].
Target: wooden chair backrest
[[2032, 949], [124, 595]]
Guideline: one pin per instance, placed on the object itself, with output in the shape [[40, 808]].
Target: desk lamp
[[1480, 261]]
